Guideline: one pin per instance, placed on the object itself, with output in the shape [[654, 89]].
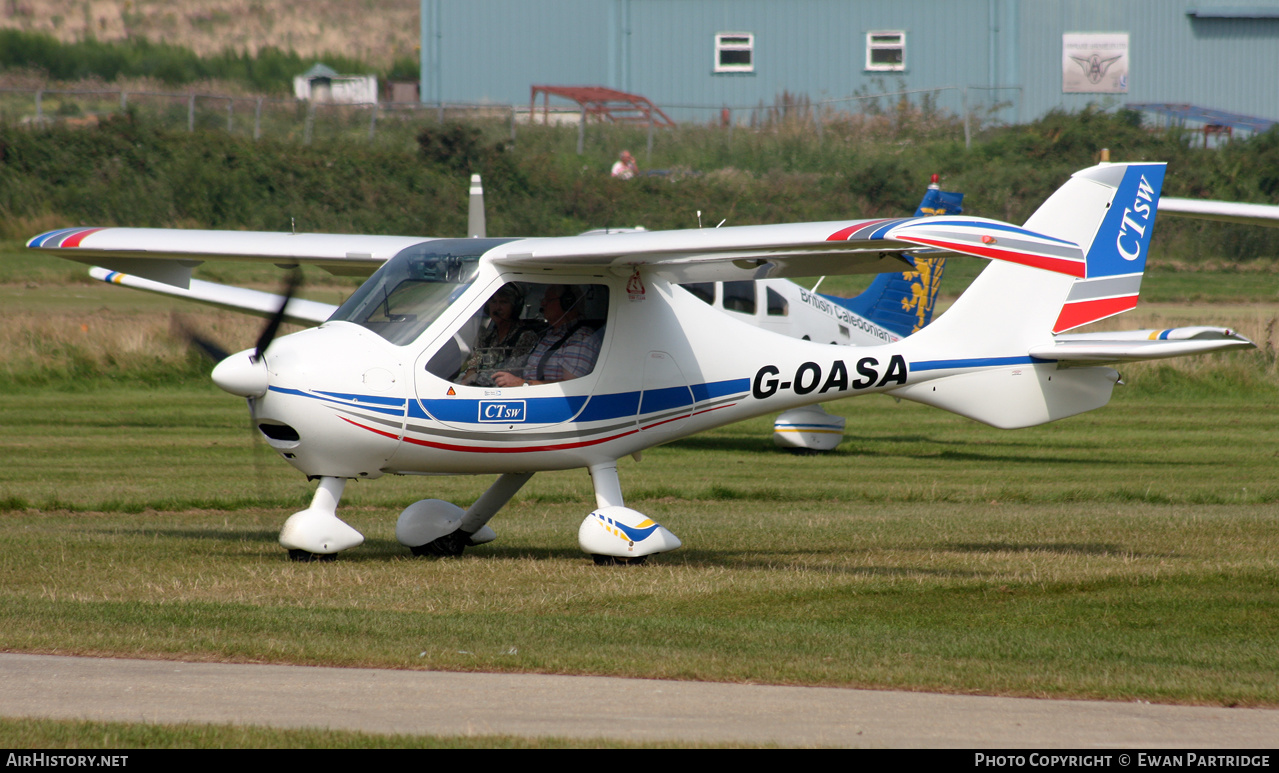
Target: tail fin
[[903, 303], [981, 347], [1117, 255], [1109, 212]]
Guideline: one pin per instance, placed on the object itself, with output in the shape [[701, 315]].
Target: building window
[[886, 51], [734, 52]]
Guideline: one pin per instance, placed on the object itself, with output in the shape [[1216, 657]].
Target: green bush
[[131, 170]]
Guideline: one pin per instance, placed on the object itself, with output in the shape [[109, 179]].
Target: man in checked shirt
[[569, 348]]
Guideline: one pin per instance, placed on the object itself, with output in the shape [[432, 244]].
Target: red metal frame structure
[[603, 103]]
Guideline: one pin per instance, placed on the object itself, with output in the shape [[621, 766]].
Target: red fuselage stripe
[[842, 234]]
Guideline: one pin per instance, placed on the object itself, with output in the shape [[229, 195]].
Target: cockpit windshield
[[412, 289]]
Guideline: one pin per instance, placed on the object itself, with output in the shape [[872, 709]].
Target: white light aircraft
[[426, 368]]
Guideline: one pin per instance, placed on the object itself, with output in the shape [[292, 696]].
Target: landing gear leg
[[317, 533], [432, 527], [615, 534]]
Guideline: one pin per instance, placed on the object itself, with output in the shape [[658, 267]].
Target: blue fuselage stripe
[[979, 362], [541, 410]]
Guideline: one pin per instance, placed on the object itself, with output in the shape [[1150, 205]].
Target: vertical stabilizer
[[1117, 256], [1108, 210]]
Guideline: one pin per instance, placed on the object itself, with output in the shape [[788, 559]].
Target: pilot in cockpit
[[506, 340]]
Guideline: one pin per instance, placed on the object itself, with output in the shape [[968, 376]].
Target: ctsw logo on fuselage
[[810, 376], [494, 411]]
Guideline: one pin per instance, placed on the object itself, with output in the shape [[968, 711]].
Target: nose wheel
[[316, 533]]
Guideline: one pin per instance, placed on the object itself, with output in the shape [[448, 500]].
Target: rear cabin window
[[739, 297]]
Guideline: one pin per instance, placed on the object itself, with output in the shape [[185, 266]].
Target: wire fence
[[963, 107]]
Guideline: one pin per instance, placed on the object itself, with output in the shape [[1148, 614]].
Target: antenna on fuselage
[[476, 228], [699, 218]]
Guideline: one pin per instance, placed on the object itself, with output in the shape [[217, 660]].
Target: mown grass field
[[1126, 554]]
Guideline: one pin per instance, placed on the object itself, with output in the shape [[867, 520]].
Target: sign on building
[[1094, 63]]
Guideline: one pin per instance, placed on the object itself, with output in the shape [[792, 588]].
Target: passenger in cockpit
[[569, 348]]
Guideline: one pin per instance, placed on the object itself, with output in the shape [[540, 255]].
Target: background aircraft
[[380, 387]]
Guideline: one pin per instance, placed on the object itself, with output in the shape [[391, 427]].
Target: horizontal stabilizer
[[1138, 345], [299, 311]]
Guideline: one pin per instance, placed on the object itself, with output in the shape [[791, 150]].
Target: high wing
[[793, 250], [168, 254], [1225, 211], [1135, 345], [743, 252]]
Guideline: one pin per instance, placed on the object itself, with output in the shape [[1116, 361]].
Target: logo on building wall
[[1094, 63]]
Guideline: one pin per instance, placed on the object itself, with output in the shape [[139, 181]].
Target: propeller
[[244, 374], [273, 324], [215, 352], [253, 364], [204, 345]]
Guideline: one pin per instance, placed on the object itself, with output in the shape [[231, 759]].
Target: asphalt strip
[[582, 707]]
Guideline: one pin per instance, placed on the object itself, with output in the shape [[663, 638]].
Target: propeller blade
[[273, 325], [206, 346]]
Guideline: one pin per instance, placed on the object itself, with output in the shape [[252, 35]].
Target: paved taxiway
[[427, 702]]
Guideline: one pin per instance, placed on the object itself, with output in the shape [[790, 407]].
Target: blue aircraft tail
[[903, 303]]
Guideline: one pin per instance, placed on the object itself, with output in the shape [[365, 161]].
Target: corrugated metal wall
[[493, 50]]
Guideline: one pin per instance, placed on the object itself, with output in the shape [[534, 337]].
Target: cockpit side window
[[527, 332]]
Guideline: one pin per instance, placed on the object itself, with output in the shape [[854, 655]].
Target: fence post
[[513, 125], [581, 132], [968, 136], [230, 120], [310, 121], [257, 120], [372, 123], [648, 149], [124, 100], [191, 113]]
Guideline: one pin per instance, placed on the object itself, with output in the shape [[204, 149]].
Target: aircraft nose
[[242, 374]]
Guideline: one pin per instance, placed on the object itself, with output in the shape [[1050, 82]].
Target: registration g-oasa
[[513, 356]]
